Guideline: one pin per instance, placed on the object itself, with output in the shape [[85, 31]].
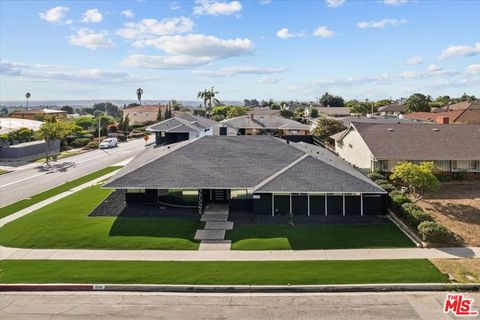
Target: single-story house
[[11, 124], [262, 175], [379, 147], [277, 126], [393, 109], [184, 126], [144, 114], [468, 115], [374, 119], [333, 112], [464, 105], [38, 114]]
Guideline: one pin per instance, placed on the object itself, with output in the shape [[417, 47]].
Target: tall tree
[[328, 100], [67, 109], [208, 97], [417, 102], [327, 127], [361, 107], [27, 95], [53, 130], [159, 114], [139, 95]]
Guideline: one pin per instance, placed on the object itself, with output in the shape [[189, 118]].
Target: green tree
[[466, 97], [27, 95], [67, 109], [417, 102], [327, 127], [139, 95], [53, 130], [219, 112], [361, 107], [286, 113], [419, 177], [208, 97], [159, 114], [85, 122], [383, 102], [313, 113], [328, 100], [236, 111]]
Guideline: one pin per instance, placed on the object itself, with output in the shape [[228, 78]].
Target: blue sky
[[246, 49]]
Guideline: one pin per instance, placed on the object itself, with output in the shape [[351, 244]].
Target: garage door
[[300, 204], [317, 205], [335, 205], [372, 204], [353, 205], [281, 204]]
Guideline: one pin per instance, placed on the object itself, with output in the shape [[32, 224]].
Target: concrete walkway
[[48, 201], [212, 237], [284, 255]]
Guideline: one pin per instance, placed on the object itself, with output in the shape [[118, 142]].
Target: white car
[[109, 143]]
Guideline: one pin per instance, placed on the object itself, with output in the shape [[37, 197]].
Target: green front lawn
[[22, 204], [317, 236], [221, 272], [64, 224]]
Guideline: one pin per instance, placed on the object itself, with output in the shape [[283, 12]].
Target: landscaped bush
[[414, 215], [119, 136], [375, 175], [380, 181], [397, 198], [80, 142], [460, 175], [386, 186], [89, 136], [433, 232], [92, 145]]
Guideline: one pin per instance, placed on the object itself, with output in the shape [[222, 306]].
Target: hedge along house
[[262, 175], [184, 126]]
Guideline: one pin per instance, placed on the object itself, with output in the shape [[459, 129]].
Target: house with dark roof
[[184, 126], [393, 109], [333, 112], [261, 175], [253, 124], [467, 112], [379, 147]]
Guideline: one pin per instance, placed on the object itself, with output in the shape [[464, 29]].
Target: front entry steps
[[212, 237]]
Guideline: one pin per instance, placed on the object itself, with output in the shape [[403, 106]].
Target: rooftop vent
[[436, 129], [390, 129]]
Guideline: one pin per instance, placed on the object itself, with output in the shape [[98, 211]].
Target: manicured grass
[[3, 171], [221, 272], [22, 204], [317, 236], [64, 224]]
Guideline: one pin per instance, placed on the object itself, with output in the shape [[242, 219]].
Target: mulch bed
[[114, 206]]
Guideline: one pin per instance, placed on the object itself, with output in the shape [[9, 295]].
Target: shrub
[[444, 178], [395, 193], [460, 175], [80, 142], [92, 145], [414, 215], [88, 136], [380, 181], [386, 186], [119, 136], [398, 199], [375, 175], [433, 232]]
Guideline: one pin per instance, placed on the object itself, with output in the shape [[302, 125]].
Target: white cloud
[[92, 16], [323, 32], [433, 68], [69, 21], [265, 2], [127, 13], [394, 2], [174, 6], [215, 8], [268, 80], [284, 33], [473, 69], [90, 39], [148, 28], [235, 70], [378, 24], [460, 51], [335, 3], [415, 60], [188, 51], [54, 14]]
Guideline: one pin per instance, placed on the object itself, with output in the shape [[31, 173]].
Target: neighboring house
[[393, 109], [436, 117], [365, 119], [379, 147], [11, 124], [265, 112], [252, 124], [28, 150], [143, 115], [332, 112], [38, 114], [460, 106], [261, 175], [464, 112], [184, 126]]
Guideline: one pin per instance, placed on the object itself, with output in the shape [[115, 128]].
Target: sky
[[284, 50]]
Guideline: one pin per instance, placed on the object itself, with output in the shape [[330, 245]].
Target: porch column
[[361, 204], [343, 204], [326, 205]]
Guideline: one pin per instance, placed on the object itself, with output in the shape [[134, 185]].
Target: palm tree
[[27, 95], [208, 96], [139, 95]]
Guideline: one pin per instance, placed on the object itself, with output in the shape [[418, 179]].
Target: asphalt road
[[34, 178], [124, 305]]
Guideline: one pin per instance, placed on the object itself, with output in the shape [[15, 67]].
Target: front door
[[219, 195]]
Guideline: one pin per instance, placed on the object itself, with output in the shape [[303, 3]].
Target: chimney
[[443, 120]]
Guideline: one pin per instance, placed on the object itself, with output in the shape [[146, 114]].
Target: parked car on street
[[109, 143]]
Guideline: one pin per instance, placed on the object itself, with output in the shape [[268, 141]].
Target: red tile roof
[[431, 116]]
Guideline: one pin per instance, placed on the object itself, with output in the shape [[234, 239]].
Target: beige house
[[379, 147], [39, 114], [143, 115]]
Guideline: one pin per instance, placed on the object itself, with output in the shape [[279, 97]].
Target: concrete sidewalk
[[283, 255]]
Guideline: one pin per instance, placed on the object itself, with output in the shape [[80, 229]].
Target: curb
[[242, 288]]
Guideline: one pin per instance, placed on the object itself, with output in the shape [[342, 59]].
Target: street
[[128, 305], [37, 177]]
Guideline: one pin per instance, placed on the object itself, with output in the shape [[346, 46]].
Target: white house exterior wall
[[202, 133], [353, 149]]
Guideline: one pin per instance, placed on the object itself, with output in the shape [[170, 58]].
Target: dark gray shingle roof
[[182, 122], [263, 122]]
